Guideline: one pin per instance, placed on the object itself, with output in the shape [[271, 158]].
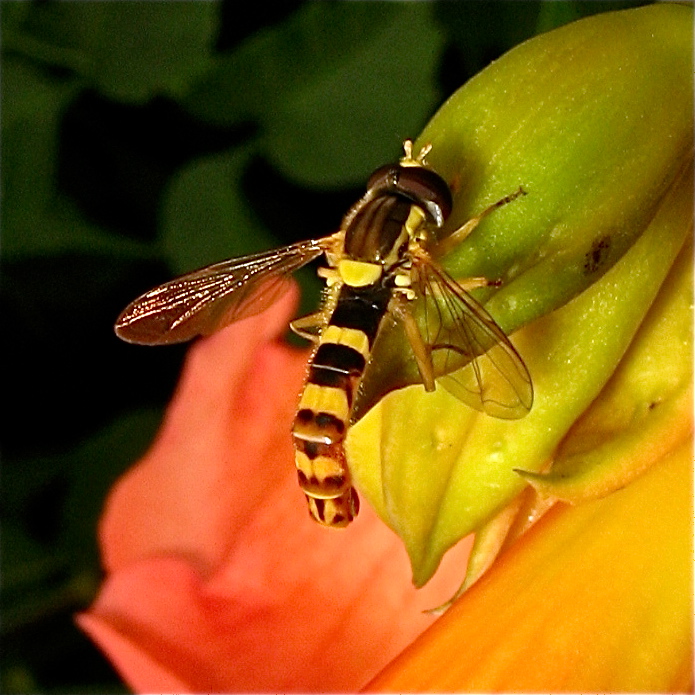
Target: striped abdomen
[[325, 406]]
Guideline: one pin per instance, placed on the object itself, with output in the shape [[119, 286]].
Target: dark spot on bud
[[597, 255]]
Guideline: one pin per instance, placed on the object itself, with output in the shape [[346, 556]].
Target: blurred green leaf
[[57, 228], [128, 50], [480, 35], [26, 564], [152, 47], [95, 465], [363, 70], [32, 105], [52, 505], [206, 218]]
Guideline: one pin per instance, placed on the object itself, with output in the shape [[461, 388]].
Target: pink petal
[[219, 580], [224, 442]]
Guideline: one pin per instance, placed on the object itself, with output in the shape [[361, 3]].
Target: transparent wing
[[211, 298], [464, 350], [471, 356]]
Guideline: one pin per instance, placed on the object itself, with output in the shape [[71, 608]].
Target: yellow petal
[[595, 598], [644, 411]]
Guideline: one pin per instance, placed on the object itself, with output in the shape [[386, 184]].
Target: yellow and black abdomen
[[378, 231], [324, 409]]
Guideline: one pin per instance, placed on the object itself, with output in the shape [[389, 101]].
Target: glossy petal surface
[[595, 598]]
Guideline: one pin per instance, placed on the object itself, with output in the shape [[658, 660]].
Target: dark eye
[[384, 179], [423, 186]]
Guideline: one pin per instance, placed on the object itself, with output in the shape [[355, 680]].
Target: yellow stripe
[[359, 273], [352, 337], [318, 470], [325, 399], [415, 219], [337, 512]]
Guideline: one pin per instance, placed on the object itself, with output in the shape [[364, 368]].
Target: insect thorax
[[377, 233], [403, 206]]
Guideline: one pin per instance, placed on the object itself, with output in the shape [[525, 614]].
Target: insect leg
[[457, 236], [309, 327], [399, 306]]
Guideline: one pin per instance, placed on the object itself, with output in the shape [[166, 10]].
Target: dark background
[[141, 140]]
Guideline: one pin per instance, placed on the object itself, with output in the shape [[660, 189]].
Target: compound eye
[[423, 186], [384, 179], [428, 189]]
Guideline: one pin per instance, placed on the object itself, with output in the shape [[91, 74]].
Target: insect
[[382, 278]]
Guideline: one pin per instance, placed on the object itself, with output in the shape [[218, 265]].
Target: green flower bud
[[594, 121]]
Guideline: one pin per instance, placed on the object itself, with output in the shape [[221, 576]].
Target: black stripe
[[325, 421], [361, 309], [305, 416], [321, 375], [338, 358], [312, 449], [377, 226], [320, 508], [333, 427]]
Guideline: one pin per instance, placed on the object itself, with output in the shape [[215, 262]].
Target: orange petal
[[594, 598], [317, 612]]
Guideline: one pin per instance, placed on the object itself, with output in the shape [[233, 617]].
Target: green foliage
[[142, 139]]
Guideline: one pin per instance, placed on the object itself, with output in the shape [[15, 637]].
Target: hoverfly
[[382, 276]]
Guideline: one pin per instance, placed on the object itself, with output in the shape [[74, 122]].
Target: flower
[[217, 579], [595, 597], [218, 586]]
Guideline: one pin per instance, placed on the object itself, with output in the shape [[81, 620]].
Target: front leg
[[457, 236]]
